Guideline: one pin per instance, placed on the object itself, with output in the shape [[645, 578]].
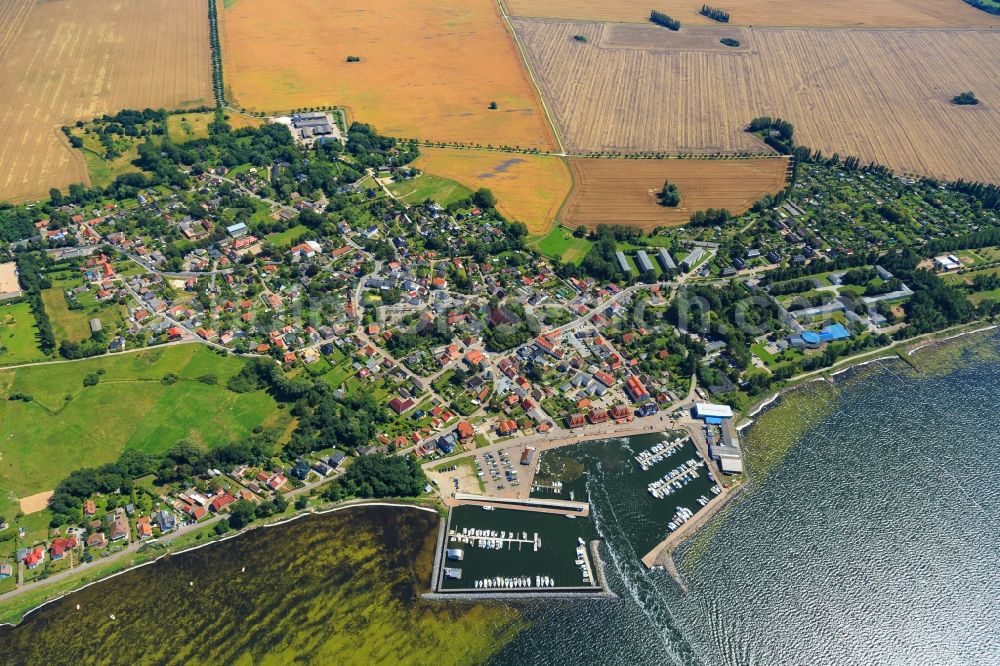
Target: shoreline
[[662, 554], [340, 507]]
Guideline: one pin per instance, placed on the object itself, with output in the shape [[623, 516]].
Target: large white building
[[707, 410]]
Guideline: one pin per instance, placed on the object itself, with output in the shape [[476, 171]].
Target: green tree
[[241, 514], [669, 195]]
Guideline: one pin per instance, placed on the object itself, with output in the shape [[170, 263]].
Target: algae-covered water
[[339, 588]]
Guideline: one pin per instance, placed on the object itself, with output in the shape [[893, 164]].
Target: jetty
[[568, 507]]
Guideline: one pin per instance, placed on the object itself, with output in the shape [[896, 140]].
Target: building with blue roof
[[813, 340], [834, 332]]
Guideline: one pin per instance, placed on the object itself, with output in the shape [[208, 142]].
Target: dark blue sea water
[[875, 540]]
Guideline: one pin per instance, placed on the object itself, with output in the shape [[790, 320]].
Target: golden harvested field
[[624, 191], [772, 13], [883, 95], [528, 188], [428, 70], [77, 59]]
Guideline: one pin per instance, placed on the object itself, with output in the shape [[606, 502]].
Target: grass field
[[239, 121], [624, 191], [427, 70], [528, 188], [288, 236], [882, 95], [77, 59], [18, 334], [74, 325], [427, 186], [130, 408], [102, 171], [560, 243], [188, 126]]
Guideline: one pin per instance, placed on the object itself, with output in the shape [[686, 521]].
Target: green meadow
[[288, 237], [18, 335], [426, 186], [561, 244], [67, 426]]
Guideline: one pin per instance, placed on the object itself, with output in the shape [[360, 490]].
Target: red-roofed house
[[635, 389], [35, 558], [399, 406], [598, 415], [58, 547], [221, 502], [507, 427]]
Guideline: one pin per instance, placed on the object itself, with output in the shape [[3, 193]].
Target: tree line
[[30, 273], [715, 14], [661, 19], [218, 88]]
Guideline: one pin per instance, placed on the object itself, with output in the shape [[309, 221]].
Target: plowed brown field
[[428, 70], [799, 13], [883, 95], [624, 191], [77, 59]]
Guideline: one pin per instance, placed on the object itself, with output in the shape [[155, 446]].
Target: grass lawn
[[188, 126], [18, 334], [129, 409], [981, 296], [758, 350], [561, 243], [288, 237], [426, 186]]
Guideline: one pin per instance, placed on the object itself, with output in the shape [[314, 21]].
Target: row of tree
[[31, 275], [714, 13], [661, 19]]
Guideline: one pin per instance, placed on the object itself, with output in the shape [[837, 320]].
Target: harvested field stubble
[[426, 70], [624, 191], [77, 59], [800, 13], [528, 188], [882, 95]]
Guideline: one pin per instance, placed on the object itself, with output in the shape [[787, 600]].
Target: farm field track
[[610, 191], [770, 13], [428, 70], [882, 95], [528, 188], [77, 59]]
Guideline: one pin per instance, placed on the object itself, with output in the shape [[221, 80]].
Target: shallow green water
[[338, 588]]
